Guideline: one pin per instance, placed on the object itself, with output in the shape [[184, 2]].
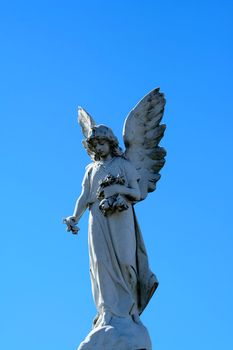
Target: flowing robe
[[122, 282]]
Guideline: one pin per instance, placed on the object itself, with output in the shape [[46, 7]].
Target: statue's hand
[[71, 222]]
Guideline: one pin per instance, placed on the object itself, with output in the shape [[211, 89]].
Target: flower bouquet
[[114, 203]]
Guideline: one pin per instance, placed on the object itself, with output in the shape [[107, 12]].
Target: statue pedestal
[[120, 334]]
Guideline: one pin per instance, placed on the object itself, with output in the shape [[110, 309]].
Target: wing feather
[[142, 133], [86, 121]]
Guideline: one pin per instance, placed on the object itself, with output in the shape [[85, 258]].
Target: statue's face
[[102, 148]]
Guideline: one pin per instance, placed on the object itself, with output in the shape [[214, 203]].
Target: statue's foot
[[103, 319], [137, 319], [106, 318], [95, 321]]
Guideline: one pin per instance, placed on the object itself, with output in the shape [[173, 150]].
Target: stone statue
[[122, 283]]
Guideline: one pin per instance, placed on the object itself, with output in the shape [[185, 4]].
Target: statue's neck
[[106, 159]]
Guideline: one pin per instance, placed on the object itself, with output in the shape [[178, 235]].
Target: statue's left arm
[[132, 190]]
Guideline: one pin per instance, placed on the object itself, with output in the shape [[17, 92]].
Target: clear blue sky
[[104, 56]]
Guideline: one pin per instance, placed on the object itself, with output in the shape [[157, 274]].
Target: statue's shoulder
[[128, 168], [120, 159], [89, 167], [125, 162]]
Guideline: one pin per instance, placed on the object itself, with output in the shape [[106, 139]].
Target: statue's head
[[101, 133]]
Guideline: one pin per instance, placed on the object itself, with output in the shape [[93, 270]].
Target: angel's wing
[[142, 133], [86, 121]]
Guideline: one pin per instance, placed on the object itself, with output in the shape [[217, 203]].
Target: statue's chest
[[100, 171]]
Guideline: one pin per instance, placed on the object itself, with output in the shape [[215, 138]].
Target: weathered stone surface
[[122, 282]]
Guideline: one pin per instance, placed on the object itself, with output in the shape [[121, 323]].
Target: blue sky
[[105, 56]]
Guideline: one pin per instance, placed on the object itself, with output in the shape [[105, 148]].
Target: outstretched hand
[[71, 223]]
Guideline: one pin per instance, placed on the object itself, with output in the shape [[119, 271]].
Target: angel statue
[[122, 282]]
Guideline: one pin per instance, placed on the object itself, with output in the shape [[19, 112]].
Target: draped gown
[[122, 282]]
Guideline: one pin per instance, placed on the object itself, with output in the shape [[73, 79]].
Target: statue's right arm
[[80, 207], [81, 204]]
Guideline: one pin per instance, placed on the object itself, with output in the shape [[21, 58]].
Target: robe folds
[[122, 282]]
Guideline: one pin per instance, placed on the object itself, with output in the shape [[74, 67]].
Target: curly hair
[[102, 132]]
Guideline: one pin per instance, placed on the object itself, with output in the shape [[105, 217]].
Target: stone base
[[120, 334]]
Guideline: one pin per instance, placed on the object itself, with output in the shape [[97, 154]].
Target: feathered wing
[[86, 121], [142, 133]]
